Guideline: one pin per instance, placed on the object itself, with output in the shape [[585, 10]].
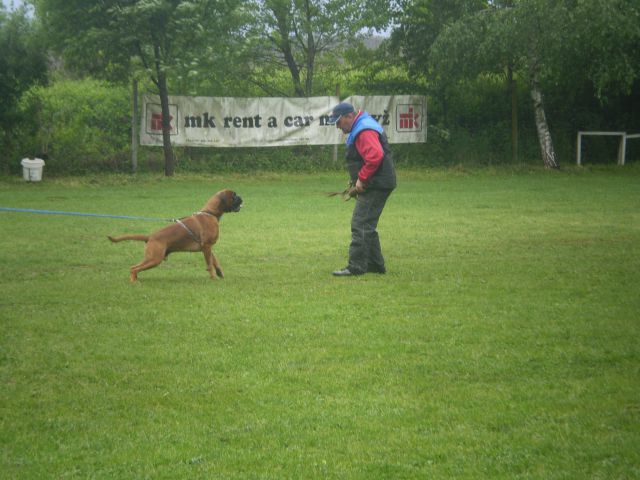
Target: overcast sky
[[7, 3]]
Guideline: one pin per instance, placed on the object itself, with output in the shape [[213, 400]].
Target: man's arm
[[370, 149]]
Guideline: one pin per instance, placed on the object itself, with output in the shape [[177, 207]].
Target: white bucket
[[32, 169]]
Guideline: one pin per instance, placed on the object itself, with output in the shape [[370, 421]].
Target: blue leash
[[78, 214]]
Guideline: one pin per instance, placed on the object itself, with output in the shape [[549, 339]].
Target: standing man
[[373, 174]]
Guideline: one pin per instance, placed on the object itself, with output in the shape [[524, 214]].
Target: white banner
[[264, 122]]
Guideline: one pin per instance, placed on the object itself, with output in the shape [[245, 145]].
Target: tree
[[418, 24], [23, 63], [299, 35], [545, 42], [111, 38]]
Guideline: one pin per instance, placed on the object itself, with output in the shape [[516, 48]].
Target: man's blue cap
[[340, 110]]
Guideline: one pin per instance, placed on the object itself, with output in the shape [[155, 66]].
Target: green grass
[[503, 342]]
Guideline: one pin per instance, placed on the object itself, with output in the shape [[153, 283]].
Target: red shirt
[[370, 149]]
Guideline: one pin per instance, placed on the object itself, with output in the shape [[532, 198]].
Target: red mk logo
[[156, 122], [409, 120]]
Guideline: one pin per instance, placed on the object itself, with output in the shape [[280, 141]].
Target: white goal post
[[622, 148]]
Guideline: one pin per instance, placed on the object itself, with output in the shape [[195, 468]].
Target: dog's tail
[[142, 238]]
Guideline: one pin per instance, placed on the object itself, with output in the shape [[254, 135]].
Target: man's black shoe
[[344, 273]]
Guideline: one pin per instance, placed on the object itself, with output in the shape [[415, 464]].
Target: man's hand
[[360, 187]]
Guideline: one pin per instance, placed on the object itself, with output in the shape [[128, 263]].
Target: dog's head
[[230, 201]]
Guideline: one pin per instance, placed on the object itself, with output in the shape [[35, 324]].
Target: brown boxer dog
[[197, 233]]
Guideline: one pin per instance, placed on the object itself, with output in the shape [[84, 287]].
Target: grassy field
[[503, 342]]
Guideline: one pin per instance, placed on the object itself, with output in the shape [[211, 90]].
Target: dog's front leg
[[212, 263], [217, 266]]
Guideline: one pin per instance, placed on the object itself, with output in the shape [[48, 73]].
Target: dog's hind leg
[[144, 265], [153, 256]]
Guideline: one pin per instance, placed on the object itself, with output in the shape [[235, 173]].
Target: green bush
[[84, 126], [80, 125]]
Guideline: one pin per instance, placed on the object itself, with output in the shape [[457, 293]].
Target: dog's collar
[[205, 212]]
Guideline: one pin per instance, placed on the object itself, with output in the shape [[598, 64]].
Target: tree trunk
[[513, 90], [284, 45], [166, 115], [134, 126], [293, 67], [166, 125], [311, 51], [6, 144], [544, 135]]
